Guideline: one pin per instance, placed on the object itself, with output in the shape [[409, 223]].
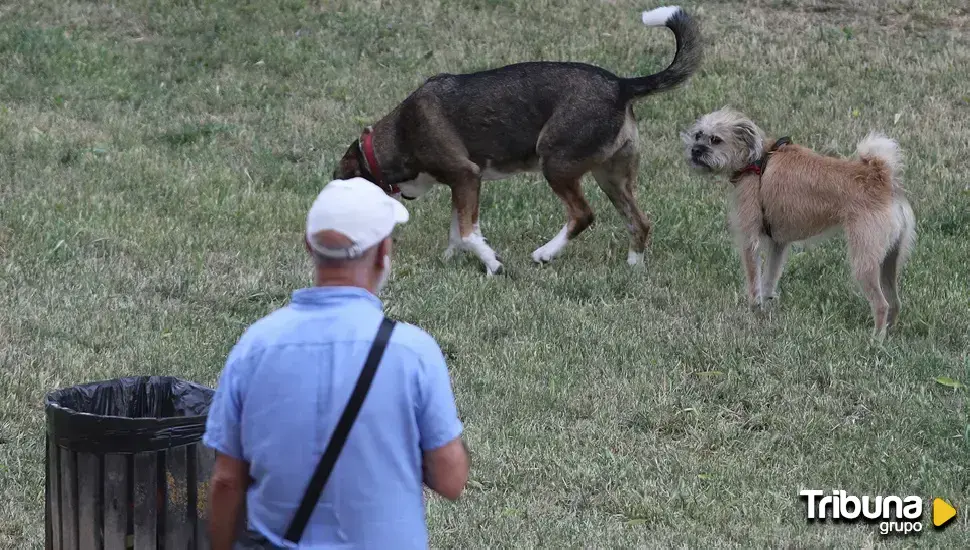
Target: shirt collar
[[318, 296]]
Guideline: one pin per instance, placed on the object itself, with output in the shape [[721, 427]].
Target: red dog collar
[[759, 167], [367, 147], [749, 168]]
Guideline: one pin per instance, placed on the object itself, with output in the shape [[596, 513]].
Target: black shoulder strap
[[295, 531]]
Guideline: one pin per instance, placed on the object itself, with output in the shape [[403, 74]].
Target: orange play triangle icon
[[942, 512]]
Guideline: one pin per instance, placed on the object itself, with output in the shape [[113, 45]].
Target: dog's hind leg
[[579, 214], [617, 178], [889, 279], [896, 257], [868, 276], [867, 247], [576, 139]]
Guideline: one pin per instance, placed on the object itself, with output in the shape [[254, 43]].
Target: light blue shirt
[[285, 384]]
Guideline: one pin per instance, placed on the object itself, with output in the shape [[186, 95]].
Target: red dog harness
[[367, 147], [759, 168]]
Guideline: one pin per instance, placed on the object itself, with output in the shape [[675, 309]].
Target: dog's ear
[[687, 136], [349, 165], [750, 137]]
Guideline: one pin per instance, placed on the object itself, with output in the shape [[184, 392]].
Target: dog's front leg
[[465, 203], [751, 259], [579, 216], [454, 237]]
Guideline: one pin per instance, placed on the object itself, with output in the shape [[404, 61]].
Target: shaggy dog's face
[[723, 141]]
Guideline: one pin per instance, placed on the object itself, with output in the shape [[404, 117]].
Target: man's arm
[[230, 474], [445, 461], [446, 468], [227, 493]]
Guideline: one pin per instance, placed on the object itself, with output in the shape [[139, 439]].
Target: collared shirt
[[285, 384]]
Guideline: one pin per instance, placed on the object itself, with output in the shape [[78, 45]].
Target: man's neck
[[324, 279]]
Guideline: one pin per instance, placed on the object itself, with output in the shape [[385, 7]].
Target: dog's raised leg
[[580, 216], [617, 178], [465, 203], [776, 254]]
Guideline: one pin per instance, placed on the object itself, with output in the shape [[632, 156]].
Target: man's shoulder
[[285, 326], [280, 327], [268, 325], [414, 340]]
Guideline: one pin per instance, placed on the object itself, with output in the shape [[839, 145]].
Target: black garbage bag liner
[[128, 415]]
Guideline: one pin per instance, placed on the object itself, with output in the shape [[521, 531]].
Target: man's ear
[[383, 249]]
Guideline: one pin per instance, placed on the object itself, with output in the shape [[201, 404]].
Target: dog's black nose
[[696, 151]]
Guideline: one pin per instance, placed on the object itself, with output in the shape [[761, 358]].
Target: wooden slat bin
[[125, 465]]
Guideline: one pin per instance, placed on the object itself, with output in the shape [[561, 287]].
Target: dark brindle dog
[[563, 119]]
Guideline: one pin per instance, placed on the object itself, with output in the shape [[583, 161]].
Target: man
[[289, 377]]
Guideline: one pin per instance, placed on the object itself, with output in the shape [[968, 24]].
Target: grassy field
[[157, 160]]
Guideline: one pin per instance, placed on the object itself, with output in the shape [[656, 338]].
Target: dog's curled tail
[[686, 59], [879, 147]]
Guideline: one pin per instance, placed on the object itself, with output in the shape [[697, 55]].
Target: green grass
[[157, 160]]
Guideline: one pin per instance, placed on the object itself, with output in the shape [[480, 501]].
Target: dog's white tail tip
[[880, 146], [658, 17]]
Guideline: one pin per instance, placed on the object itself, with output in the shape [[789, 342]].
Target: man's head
[[348, 234]]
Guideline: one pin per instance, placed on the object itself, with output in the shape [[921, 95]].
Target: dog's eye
[[715, 140], [698, 135]]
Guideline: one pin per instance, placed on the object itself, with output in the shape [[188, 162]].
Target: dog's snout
[[697, 151]]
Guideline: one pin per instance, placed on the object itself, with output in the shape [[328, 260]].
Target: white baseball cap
[[358, 210]]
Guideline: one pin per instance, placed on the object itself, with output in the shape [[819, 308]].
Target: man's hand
[[227, 494], [446, 468]]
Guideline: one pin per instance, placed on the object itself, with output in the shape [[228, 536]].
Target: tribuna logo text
[[894, 514]]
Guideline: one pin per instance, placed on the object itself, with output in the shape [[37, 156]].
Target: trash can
[[125, 465]]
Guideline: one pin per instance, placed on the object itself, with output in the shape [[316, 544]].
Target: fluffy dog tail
[[877, 147], [905, 225], [686, 59]]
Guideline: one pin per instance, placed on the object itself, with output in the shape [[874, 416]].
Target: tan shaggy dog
[[786, 193]]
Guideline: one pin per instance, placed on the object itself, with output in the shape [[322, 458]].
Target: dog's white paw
[[634, 258], [449, 252], [544, 254], [494, 269], [549, 251]]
